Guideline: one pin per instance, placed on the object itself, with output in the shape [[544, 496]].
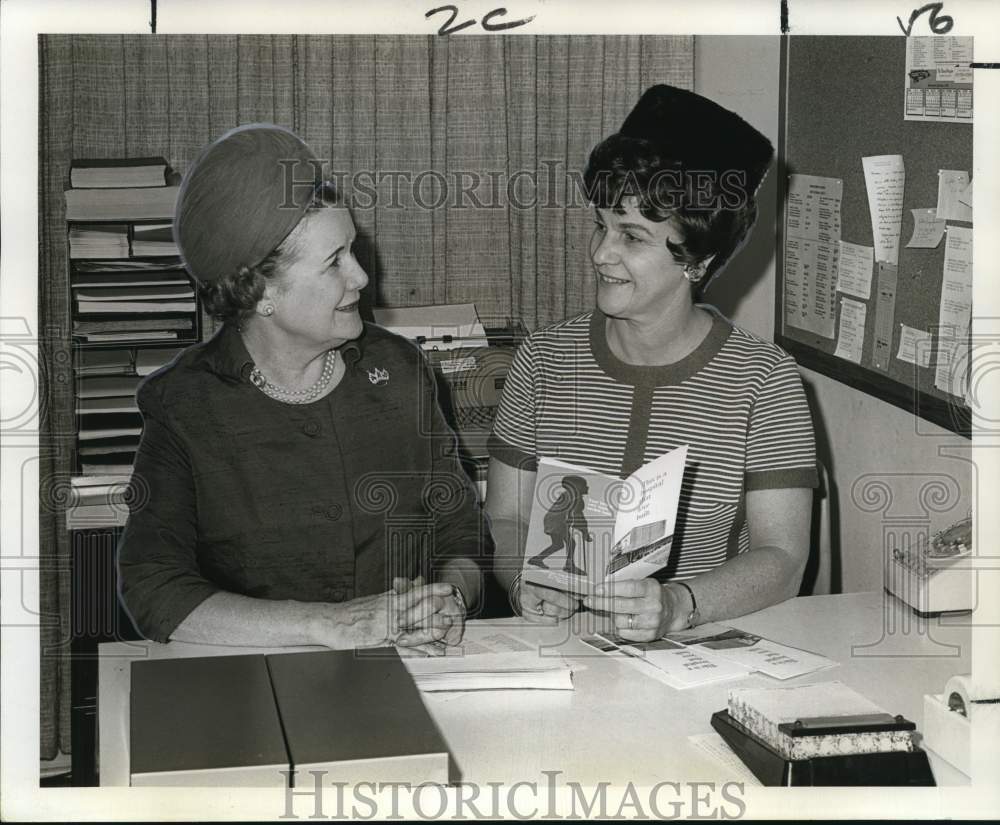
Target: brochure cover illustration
[[587, 528]]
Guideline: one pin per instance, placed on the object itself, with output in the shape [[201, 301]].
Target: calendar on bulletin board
[[875, 262]]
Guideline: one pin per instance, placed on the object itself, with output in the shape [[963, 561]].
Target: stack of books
[[133, 301], [153, 239], [127, 279], [109, 173], [129, 292], [148, 203]]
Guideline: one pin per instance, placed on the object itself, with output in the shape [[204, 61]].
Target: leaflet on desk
[[588, 528], [712, 653], [673, 664], [750, 651]]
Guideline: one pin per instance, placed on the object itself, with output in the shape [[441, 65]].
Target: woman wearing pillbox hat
[[674, 198], [272, 454]]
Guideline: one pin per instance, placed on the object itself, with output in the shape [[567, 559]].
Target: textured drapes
[[518, 112]]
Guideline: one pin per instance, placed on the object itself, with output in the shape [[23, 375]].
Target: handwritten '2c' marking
[[449, 26], [939, 25]]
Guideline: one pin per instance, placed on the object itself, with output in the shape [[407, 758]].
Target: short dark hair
[[233, 297], [713, 212]]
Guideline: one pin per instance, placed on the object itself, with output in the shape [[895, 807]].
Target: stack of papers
[[98, 241], [490, 671]]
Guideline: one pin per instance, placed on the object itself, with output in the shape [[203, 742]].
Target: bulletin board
[[842, 100]]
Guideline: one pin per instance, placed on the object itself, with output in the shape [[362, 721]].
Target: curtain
[[457, 155]]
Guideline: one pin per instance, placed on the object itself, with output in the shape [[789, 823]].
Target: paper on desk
[[955, 313], [716, 749], [490, 671], [854, 269], [812, 236], [851, 337], [667, 662], [928, 229], [751, 651], [434, 323], [952, 184], [475, 644], [682, 667], [915, 346], [496, 642], [885, 177]]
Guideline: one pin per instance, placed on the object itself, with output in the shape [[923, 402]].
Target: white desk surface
[[619, 725]]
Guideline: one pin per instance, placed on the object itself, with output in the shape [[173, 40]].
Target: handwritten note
[[885, 178], [951, 186], [854, 269], [851, 337], [915, 346], [812, 230], [928, 230], [955, 313]]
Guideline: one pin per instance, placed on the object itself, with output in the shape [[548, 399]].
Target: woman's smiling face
[[637, 276], [316, 297]]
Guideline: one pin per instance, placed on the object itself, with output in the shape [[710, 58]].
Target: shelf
[[124, 277]]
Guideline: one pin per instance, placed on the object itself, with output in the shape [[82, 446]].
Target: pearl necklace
[[287, 396]]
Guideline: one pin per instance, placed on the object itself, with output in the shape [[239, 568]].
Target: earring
[[268, 310], [692, 273]]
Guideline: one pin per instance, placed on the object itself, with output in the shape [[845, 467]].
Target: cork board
[[842, 100]]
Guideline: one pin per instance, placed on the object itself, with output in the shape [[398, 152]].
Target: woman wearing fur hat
[[673, 193], [296, 482]]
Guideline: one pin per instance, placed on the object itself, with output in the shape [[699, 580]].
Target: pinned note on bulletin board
[[875, 274]]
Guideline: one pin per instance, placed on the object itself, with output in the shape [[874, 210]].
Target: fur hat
[[699, 134]]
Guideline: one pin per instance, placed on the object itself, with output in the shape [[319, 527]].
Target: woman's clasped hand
[[429, 617]]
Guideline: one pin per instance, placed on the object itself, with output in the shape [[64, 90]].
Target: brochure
[[751, 651], [587, 528], [673, 664]]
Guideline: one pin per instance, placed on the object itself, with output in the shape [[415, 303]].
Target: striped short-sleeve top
[[736, 401]]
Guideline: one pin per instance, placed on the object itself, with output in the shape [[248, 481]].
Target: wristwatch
[[694, 617]]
